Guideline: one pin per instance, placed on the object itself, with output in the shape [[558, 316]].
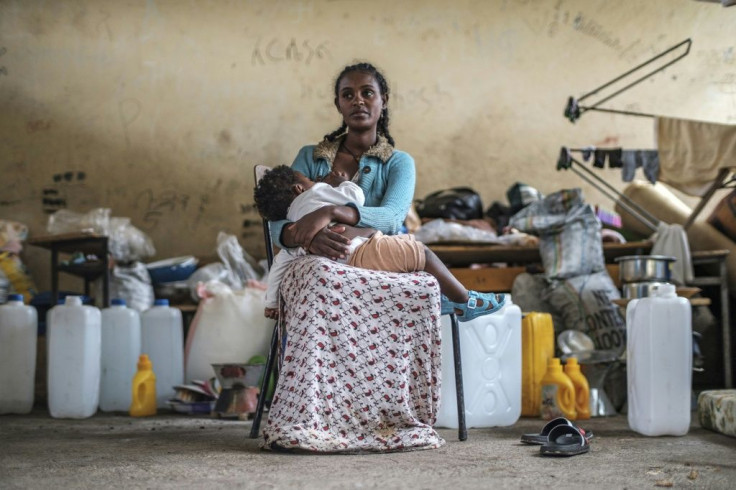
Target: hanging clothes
[[691, 153], [648, 160]]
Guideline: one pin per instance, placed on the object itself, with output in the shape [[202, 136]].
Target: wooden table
[[488, 267], [88, 244]]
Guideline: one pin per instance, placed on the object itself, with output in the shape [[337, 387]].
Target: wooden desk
[[515, 260]]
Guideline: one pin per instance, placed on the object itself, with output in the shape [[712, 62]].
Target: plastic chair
[[259, 171]]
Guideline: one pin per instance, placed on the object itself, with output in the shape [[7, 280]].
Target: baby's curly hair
[[273, 194]]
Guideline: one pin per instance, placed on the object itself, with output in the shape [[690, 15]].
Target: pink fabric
[[362, 366]]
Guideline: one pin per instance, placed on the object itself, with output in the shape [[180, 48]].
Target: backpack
[[455, 203]]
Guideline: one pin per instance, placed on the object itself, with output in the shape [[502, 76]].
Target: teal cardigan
[[387, 177]]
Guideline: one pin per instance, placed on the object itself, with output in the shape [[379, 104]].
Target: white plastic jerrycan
[[659, 358], [18, 335], [121, 347], [74, 347], [162, 338], [490, 349]]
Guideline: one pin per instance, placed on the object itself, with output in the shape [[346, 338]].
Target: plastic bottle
[[121, 347], [659, 358], [537, 348], [582, 389], [558, 393], [18, 334], [490, 348], [162, 338], [143, 389], [74, 348]]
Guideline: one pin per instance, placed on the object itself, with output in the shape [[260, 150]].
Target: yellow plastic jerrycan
[[144, 389], [558, 393], [537, 347], [582, 389]]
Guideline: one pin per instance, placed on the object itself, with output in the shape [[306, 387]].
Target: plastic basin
[[171, 270]]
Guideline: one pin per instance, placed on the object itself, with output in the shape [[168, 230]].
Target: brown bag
[[723, 217]]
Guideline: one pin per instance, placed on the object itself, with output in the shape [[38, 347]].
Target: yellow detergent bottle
[[144, 389], [582, 390], [558, 393]]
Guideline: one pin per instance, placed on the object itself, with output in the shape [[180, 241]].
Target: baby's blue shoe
[[491, 303], [446, 306]]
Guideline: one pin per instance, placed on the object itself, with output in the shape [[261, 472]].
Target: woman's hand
[[312, 233], [304, 230], [330, 243]]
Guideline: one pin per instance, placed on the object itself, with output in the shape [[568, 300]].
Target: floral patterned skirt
[[361, 364]]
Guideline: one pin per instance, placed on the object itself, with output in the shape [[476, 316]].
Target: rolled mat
[[666, 206]]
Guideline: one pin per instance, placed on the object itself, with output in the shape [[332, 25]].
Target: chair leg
[[270, 365], [462, 432]]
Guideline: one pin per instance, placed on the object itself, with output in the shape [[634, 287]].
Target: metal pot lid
[[666, 258], [570, 341]]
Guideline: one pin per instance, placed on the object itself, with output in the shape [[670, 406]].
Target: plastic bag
[[454, 203], [229, 327], [133, 284], [215, 271], [439, 230], [521, 195], [236, 260], [128, 243], [15, 271], [66, 221], [12, 234]]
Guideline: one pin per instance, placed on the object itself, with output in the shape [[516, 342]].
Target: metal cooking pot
[[644, 268], [633, 290]]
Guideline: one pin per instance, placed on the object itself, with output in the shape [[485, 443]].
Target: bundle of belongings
[[14, 278], [456, 215], [575, 287]]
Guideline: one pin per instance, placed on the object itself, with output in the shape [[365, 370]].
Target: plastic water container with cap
[[490, 348], [162, 339], [659, 363], [73, 336], [18, 327], [121, 347]]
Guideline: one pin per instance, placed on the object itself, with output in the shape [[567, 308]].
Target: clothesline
[[627, 160], [567, 162]]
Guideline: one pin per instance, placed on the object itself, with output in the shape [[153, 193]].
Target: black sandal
[[565, 440], [542, 437]]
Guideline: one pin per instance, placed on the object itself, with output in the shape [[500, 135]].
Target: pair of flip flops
[[560, 437]]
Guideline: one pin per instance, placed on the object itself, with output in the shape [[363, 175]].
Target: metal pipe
[[650, 218], [630, 210]]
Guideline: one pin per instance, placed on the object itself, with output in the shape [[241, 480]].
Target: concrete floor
[[183, 451]]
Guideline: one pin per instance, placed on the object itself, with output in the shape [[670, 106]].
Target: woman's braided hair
[[383, 121]]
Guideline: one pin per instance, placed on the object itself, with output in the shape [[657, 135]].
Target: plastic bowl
[[172, 270]]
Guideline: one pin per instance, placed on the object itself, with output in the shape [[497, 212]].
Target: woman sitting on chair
[[361, 365]]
